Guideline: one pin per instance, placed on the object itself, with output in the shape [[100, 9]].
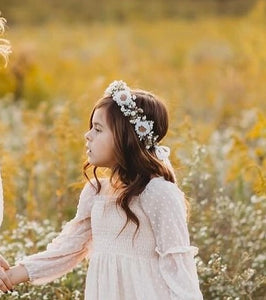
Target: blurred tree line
[[39, 11]]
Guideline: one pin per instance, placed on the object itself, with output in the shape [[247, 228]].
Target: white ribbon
[[162, 152]]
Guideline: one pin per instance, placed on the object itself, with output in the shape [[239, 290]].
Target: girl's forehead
[[99, 116]]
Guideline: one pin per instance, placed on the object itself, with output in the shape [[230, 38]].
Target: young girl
[[133, 225]]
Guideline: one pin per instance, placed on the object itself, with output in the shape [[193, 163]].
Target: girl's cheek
[[92, 134]]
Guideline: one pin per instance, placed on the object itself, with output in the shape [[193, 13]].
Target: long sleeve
[[67, 249], [164, 204]]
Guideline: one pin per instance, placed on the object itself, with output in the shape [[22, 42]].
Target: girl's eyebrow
[[96, 123]]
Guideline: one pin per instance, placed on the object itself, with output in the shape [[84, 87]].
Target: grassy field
[[211, 72]]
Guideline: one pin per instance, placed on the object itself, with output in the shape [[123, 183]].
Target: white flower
[[162, 152], [143, 127], [123, 98], [257, 199], [116, 86]]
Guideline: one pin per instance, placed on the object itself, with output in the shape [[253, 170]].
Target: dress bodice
[[108, 220]]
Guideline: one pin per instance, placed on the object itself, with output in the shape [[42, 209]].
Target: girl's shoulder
[[160, 181], [159, 185], [162, 193]]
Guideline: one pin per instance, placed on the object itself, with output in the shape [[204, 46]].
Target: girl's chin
[[93, 162]]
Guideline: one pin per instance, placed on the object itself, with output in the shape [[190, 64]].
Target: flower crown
[[121, 94]]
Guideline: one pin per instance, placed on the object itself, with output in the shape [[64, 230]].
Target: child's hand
[[5, 283], [3, 263]]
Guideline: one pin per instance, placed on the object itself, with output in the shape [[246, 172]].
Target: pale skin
[[14, 275], [11, 276], [100, 145]]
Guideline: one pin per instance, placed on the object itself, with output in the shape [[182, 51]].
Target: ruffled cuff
[[178, 269], [179, 249]]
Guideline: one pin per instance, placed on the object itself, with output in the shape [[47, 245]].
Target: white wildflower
[[257, 199]]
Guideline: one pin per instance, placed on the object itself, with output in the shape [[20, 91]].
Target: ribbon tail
[[170, 167]]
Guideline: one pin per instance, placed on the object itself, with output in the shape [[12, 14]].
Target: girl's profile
[[133, 225]]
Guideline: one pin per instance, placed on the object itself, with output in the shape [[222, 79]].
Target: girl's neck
[[112, 189], [115, 188]]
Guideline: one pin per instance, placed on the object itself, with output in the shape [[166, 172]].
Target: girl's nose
[[87, 135]]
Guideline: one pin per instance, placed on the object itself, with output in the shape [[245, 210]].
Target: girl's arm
[[70, 247], [164, 204]]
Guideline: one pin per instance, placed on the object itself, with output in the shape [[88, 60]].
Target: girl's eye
[[96, 129]]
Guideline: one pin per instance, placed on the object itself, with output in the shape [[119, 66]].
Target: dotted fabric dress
[[158, 265]]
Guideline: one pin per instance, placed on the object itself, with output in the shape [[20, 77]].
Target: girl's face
[[100, 141]]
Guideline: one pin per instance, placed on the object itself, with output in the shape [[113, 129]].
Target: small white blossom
[[143, 127], [123, 98]]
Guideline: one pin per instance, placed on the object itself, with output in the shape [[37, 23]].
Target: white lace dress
[[159, 265]]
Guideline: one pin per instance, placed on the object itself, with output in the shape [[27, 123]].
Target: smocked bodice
[[108, 221]]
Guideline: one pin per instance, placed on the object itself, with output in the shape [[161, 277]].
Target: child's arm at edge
[[17, 274]]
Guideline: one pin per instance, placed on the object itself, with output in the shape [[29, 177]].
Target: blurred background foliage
[[206, 59], [38, 11]]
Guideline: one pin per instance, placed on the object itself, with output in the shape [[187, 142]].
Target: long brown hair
[[135, 165]]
